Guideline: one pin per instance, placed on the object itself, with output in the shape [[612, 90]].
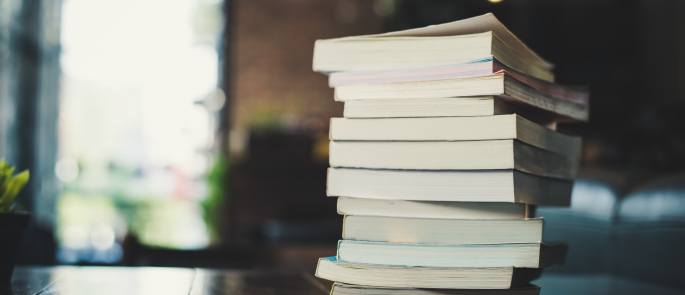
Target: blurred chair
[[632, 244], [277, 192], [650, 233], [585, 226]]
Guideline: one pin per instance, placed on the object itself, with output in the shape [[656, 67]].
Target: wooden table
[[157, 280]]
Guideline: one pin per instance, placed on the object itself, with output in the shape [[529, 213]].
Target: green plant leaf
[[10, 186]]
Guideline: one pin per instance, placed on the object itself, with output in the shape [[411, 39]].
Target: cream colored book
[[446, 107], [503, 186], [431, 209], [425, 107], [455, 129], [452, 155], [345, 289], [498, 84], [449, 43], [375, 275], [430, 255], [442, 231]]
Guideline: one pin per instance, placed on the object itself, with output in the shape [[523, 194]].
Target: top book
[[449, 43]]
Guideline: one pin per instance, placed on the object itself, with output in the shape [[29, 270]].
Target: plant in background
[[10, 185], [213, 205]]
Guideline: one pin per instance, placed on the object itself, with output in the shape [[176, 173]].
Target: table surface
[[158, 280], [169, 281]]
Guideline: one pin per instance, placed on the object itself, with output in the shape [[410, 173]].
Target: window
[[138, 116]]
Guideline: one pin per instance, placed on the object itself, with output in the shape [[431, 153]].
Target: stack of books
[[447, 144]]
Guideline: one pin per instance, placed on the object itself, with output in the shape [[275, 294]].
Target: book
[[481, 67], [449, 43], [345, 289], [429, 209], [441, 231], [455, 129], [429, 107], [508, 186], [429, 255], [452, 155], [498, 84], [446, 107], [329, 268]]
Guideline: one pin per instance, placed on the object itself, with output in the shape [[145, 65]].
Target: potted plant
[[12, 223]]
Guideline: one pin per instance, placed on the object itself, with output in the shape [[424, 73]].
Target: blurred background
[[194, 132]]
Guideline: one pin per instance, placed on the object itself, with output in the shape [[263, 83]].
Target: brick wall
[[270, 66]]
